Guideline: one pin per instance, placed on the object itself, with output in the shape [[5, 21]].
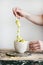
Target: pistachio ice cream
[[20, 43], [18, 37]]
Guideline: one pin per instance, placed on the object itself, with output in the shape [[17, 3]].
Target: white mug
[[21, 47]]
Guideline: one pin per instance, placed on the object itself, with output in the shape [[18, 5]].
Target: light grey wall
[[29, 31]]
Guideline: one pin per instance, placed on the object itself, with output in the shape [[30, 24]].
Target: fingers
[[17, 12], [34, 46], [14, 12]]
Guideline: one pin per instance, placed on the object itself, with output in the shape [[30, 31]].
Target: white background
[[29, 31]]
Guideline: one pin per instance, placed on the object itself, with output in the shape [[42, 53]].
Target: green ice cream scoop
[[18, 37]]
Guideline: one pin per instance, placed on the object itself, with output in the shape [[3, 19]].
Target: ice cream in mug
[[20, 44]]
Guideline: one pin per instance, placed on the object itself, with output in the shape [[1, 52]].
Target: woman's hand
[[18, 12], [36, 19], [36, 46]]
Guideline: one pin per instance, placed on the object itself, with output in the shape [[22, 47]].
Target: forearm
[[36, 19]]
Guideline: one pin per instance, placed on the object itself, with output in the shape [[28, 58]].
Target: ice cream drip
[[19, 37]]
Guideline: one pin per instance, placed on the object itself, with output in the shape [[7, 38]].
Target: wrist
[[25, 14]]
